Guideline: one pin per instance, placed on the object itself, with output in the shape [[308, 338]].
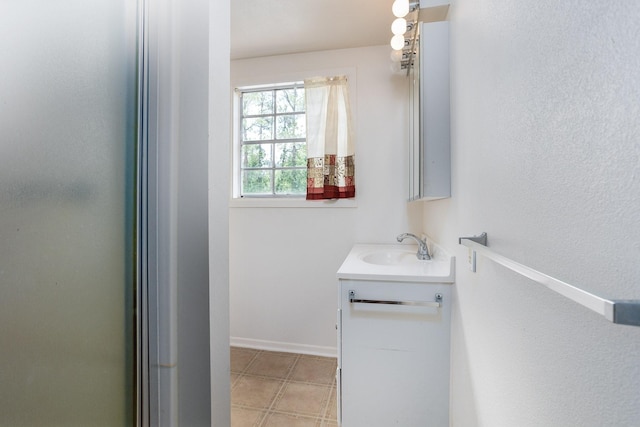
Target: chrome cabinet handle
[[436, 303]]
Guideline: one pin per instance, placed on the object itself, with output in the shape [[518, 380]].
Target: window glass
[[290, 181], [290, 126], [256, 182], [257, 128], [257, 156], [256, 103], [290, 100], [272, 154], [291, 154]]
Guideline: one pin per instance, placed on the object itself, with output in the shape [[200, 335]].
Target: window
[[271, 153]]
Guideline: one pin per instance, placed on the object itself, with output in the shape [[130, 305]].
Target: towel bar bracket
[[626, 312], [481, 239]]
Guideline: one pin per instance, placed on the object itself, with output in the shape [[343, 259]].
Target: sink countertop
[[440, 269]]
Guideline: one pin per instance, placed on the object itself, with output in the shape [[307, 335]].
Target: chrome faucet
[[423, 251]]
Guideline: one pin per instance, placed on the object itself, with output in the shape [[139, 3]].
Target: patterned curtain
[[330, 151]]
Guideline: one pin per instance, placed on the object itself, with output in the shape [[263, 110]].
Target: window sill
[[291, 203]]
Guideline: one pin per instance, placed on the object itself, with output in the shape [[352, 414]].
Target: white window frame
[[239, 142]]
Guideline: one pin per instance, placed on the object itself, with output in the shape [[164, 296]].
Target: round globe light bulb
[[399, 26], [400, 8], [397, 42], [396, 55]]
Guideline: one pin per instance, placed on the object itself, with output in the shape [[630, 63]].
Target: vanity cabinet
[[393, 359], [429, 146]]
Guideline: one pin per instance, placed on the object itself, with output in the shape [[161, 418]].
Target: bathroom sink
[[391, 257], [396, 263]]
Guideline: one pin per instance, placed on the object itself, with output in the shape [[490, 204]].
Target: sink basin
[[392, 257], [397, 263]]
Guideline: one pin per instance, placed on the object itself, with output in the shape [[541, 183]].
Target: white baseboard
[[314, 350]]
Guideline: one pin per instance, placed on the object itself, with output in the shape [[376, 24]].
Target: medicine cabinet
[[429, 146]]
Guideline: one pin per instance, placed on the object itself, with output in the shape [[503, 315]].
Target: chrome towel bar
[[624, 312], [436, 303]]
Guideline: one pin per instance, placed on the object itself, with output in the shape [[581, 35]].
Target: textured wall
[[546, 159]]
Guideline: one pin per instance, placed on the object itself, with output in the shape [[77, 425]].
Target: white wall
[[283, 261], [546, 157]]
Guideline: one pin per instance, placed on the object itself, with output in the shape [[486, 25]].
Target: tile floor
[[273, 389]]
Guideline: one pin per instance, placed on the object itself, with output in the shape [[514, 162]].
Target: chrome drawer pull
[[436, 303]]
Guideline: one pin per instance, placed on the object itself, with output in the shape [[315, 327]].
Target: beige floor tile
[[234, 379], [282, 389], [271, 364], [245, 417], [332, 407], [255, 392], [241, 357], [308, 399], [285, 420], [314, 369]]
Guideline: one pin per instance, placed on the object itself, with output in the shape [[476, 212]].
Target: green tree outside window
[[273, 152]]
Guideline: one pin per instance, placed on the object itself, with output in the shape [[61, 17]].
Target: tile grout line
[[268, 411], [326, 405], [317, 417], [243, 372], [322, 417]]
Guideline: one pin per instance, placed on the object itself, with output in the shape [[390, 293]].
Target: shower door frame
[[173, 215]]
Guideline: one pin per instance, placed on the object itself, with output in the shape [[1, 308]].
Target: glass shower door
[[67, 212]]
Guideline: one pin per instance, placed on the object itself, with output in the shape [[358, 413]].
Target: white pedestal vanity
[[393, 337]]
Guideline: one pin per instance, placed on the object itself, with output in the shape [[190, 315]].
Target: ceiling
[[276, 27]]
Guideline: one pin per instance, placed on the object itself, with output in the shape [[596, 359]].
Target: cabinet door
[[435, 159], [394, 358], [429, 147]]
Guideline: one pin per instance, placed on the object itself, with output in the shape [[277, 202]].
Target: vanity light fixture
[[403, 27]]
